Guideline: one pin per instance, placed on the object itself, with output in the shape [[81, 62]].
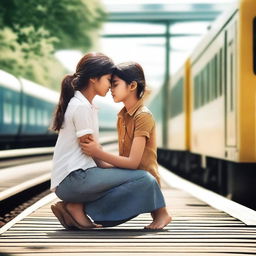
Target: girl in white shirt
[[78, 179]]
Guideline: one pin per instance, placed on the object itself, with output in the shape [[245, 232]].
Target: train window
[[195, 91], [180, 96], [196, 95], [17, 114], [198, 91], [45, 118], [231, 81], [40, 117], [7, 110], [37, 119], [206, 89], [177, 98], [220, 71], [7, 107], [208, 68], [212, 78], [254, 45], [215, 77], [32, 116], [209, 81], [201, 89], [24, 114]]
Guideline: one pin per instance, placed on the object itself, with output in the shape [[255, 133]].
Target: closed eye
[[114, 85]]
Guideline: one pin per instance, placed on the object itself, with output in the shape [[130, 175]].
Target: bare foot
[[161, 218], [76, 210]]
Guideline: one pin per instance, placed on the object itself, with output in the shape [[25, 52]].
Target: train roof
[[38, 91], [216, 27], [9, 81]]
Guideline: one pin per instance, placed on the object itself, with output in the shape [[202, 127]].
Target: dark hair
[[92, 65], [129, 72]]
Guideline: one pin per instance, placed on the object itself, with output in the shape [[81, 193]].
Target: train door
[[231, 86]]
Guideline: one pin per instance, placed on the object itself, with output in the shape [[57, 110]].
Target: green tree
[[31, 30]]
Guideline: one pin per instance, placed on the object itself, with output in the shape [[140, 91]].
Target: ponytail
[[67, 92], [92, 65]]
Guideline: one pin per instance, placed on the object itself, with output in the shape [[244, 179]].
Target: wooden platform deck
[[196, 229]]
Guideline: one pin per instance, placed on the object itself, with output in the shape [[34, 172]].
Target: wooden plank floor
[[196, 229]]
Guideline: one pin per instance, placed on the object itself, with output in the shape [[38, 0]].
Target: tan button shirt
[[138, 122]]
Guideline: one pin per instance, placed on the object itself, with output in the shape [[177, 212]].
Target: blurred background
[[43, 40]]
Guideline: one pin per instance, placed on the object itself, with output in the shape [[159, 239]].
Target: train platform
[[197, 228], [25, 168]]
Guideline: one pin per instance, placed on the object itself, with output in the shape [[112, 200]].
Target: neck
[[130, 102], [89, 93]]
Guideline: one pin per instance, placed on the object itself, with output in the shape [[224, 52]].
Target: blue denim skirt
[[112, 196]]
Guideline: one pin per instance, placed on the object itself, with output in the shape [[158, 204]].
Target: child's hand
[[90, 148], [88, 139]]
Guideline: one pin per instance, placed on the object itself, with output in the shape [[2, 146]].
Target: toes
[[97, 225], [151, 226], [155, 225]]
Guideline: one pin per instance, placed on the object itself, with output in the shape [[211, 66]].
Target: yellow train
[[212, 122]]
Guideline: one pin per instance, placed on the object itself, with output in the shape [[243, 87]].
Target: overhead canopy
[[159, 11]]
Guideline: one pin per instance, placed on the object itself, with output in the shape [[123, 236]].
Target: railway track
[[14, 157], [26, 177]]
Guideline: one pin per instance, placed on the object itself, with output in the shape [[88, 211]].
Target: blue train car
[[38, 104], [10, 106], [25, 112]]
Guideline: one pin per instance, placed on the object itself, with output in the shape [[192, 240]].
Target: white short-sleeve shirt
[[80, 118]]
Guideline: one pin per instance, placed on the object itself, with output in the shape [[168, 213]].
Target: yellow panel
[[187, 107], [246, 83]]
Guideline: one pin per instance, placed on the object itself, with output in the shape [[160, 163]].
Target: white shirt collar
[[83, 99]]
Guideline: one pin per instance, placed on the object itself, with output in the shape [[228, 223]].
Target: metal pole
[[166, 86]]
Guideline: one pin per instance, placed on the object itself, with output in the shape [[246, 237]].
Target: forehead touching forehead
[[108, 76], [115, 78]]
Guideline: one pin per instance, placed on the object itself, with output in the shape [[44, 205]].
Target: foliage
[[31, 30]]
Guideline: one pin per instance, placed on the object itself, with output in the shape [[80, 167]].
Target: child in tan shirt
[[136, 131]]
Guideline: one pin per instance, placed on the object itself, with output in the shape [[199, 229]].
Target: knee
[[149, 178]]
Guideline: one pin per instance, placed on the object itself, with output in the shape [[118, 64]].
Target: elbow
[[134, 165]]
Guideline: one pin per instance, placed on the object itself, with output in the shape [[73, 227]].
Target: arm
[[102, 164], [131, 162], [87, 139]]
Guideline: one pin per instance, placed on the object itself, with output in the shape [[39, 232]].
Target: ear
[[93, 80], [133, 85]]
